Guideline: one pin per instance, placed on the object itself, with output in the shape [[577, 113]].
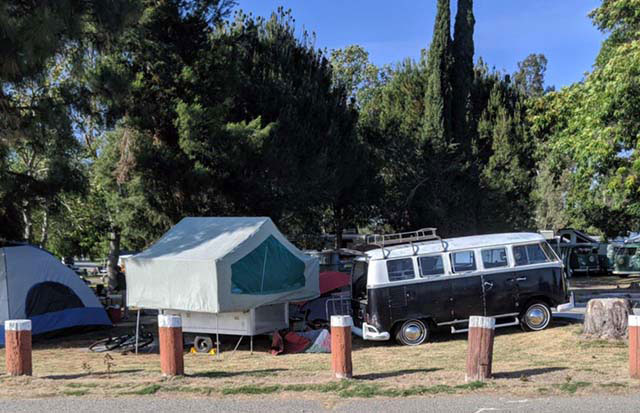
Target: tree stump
[[606, 318]]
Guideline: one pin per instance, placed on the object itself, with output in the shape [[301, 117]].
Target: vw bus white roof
[[452, 244]]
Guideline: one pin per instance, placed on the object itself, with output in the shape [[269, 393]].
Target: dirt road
[[471, 404]]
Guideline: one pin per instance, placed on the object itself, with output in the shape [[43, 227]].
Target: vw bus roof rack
[[386, 240]]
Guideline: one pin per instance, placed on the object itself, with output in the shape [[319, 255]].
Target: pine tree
[[437, 113], [462, 75]]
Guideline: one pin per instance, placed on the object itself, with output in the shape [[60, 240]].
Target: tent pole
[[217, 338], [137, 329], [251, 345]]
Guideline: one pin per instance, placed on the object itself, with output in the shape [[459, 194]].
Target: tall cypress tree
[[462, 75], [437, 112], [463, 120]]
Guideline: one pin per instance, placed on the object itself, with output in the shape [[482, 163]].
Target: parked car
[[626, 260], [581, 253], [423, 282]]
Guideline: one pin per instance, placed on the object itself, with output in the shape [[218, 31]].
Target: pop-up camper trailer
[[223, 275]]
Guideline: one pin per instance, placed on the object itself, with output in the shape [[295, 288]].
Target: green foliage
[[462, 75], [164, 109], [437, 98], [572, 387], [147, 390], [43, 160], [530, 75], [34, 32], [593, 128], [352, 70], [44, 44], [227, 119], [507, 176], [353, 388]]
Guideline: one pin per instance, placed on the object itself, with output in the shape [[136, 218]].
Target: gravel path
[[471, 404]]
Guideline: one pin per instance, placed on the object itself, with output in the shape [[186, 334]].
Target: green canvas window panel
[[269, 269]]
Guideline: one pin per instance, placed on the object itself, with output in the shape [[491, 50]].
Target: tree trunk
[[114, 255], [338, 226], [28, 224], [44, 236], [607, 318], [339, 238]]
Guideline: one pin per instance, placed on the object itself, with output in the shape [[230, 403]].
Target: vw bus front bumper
[[369, 332], [567, 306]]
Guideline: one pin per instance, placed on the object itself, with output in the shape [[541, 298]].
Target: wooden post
[[634, 346], [17, 340], [480, 351], [341, 346], [171, 346]]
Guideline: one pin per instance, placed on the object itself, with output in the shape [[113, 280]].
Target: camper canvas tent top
[[36, 285], [217, 265]]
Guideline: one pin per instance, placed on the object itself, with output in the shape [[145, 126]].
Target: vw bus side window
[[399, 270], [535, 254], [550, 252], [431, 266], [494, 258], [529, 254], [463, 261], [520, 255]]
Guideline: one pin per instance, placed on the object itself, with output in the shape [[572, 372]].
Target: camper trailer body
[[260, 320]]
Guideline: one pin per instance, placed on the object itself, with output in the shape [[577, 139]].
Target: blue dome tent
[[36, 285]]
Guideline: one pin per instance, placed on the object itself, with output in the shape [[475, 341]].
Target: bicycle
[[124, 343]]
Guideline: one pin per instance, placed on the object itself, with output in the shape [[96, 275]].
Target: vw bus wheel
[[412, 333], [536, 317]]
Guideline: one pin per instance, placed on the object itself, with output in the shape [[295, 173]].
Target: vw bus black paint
[[404, 291]]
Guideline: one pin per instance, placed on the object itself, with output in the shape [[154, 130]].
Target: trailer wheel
[[203, 344], [412, 333], [536, 317]]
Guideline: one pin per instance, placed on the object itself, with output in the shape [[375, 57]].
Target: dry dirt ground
[[557, 361]]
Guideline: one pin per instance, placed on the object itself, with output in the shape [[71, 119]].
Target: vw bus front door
[[499, 282], [466, 288]]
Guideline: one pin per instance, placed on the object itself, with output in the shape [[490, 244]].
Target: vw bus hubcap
[[413, 332], [537, 317]]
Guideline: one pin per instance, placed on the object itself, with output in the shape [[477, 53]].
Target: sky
[[506, 31]]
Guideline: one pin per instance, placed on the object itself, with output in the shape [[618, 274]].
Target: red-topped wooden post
[[171, 345], [634, 346], [17, 340], [341, 346], [480, 351]]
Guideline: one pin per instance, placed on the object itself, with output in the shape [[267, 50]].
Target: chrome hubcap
[[412, 332], [537, 316]]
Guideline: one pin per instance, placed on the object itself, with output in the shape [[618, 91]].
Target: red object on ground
[[332, 280], [115, 314], [291, 343]]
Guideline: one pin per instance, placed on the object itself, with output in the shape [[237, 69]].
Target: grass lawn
[[556, 361]]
